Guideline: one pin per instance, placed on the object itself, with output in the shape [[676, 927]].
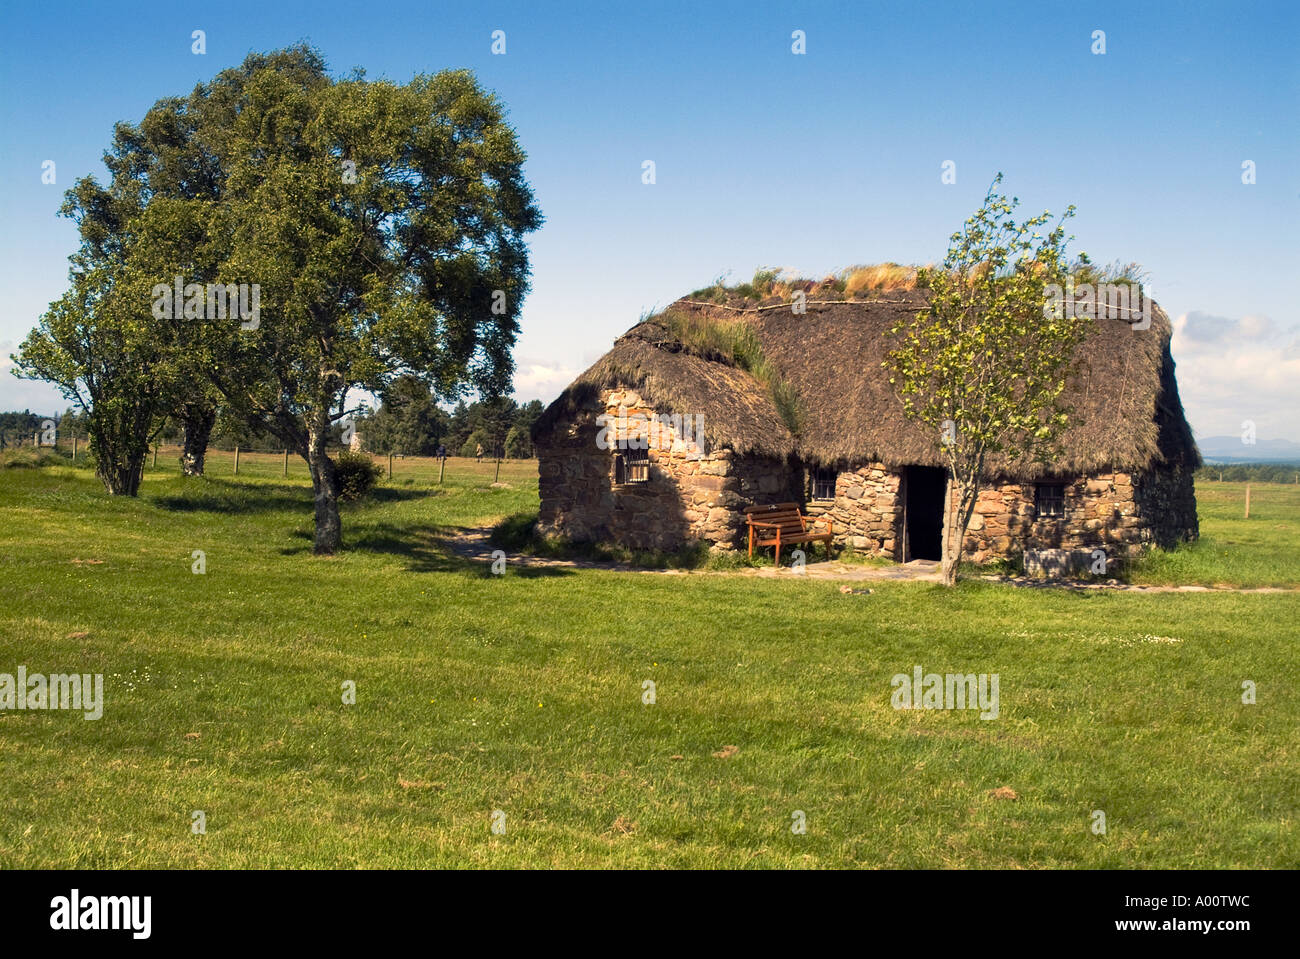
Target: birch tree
[[984, 367]]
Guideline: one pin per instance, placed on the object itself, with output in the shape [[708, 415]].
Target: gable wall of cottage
[[692, 494]]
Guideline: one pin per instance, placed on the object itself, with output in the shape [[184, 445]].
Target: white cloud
[[1230, 370], [1197, 330], [541, 380]]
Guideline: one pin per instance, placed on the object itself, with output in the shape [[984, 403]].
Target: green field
[[523, 693]]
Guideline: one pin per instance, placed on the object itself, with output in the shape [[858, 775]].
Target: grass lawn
[[1234, 551], [523, 693]]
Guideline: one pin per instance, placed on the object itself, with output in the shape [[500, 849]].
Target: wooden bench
[[782, 524]]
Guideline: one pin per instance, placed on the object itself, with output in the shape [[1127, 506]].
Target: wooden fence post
[[442, 468], [497, 478], [286, 461], [236, 460], [390, 465], [155, 455], [74, 448], [1247, 501]]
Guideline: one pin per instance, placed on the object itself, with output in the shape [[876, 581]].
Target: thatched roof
[[1126, 413]]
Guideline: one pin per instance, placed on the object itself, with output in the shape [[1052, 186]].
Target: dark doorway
[[923, 512]]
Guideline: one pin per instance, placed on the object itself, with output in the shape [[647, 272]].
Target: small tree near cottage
[[985, 365]]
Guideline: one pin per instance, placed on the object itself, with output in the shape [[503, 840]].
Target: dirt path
[[472, 544]]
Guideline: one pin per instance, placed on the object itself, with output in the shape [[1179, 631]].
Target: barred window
[[632, 466], [1049, 500], [823, 484]]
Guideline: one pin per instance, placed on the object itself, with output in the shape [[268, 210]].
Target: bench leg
[[751, 542], [778, 547]]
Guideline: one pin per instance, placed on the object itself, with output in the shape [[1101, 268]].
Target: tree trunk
[[198, 420], [121, 475], [956, 520], [325, 489]]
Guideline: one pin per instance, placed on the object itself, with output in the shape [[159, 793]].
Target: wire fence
[[398, 468], [222, 460]]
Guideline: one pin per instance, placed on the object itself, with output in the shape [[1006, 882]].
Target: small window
[[1049, 500], [632, 466], [823, 484]]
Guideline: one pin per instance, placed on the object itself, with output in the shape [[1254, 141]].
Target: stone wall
[[1168, 499], [693, 493], [866, 513], [1119, 512], [696, 494]]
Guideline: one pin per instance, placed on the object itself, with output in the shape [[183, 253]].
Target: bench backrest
[[785, 516]]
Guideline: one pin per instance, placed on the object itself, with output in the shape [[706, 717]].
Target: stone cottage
[[666, 440]]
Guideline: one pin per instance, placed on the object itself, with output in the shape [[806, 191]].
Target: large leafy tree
[[166, 168], [984, 367], [385, 227], [382, 226]]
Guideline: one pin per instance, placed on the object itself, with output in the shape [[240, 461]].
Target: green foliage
[[357, 475], [1083, 270], [763, 280], [715, 292], [985, 356], [383, 225], [18, 427], [94, 345], [33, 457], [476, 444], [519, 445], [494, 421]]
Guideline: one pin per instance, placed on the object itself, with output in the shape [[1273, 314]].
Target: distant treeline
[[17, 429], [410, 422], [1251, 473]]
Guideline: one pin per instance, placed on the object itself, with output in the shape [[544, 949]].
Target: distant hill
[[1230, 449]]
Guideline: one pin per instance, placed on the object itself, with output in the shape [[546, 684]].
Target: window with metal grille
[[632, 466], [1049, 500], [823, 484]]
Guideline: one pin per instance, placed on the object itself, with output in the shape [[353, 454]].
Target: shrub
[[357, 474], [34, 458]]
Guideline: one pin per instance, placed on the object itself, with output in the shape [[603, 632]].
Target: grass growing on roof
[[732, 340]]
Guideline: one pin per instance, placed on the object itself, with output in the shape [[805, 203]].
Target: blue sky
[[763, 157]]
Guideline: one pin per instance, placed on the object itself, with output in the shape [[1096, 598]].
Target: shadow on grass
[[382, 495], [425, 548], [223, 496]]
